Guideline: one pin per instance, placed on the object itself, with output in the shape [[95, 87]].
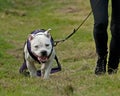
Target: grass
[[77, 55]]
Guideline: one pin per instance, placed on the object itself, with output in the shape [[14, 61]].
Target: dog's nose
[[44, 53]]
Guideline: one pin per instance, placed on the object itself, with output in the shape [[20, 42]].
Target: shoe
[[101, 66], [113, 64], [112, 71]]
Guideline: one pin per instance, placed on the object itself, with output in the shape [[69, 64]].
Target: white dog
[[39, 48]]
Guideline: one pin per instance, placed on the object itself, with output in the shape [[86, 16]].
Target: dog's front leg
[[42, 69], [47, 70], [32, 69]]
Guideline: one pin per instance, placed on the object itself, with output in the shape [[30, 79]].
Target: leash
[[73, 32], [56, 42]]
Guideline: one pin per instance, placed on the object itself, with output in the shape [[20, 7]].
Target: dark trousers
[[100, 13]]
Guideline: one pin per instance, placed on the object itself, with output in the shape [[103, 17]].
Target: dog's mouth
[[43, 59]]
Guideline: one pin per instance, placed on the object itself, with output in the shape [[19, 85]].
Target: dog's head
[[41, 45]]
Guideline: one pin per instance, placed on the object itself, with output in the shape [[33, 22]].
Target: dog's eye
[[36, 46], [47, 45]]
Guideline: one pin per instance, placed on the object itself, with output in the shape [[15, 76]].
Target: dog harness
[[24, 66]]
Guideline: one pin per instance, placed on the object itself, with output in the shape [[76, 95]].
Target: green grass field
[[77, 55]]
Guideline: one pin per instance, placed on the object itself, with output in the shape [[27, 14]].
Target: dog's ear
[[30, 37], [47, 33]]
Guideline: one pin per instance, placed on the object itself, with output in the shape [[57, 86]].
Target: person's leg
[[115, 40], [100, 13]]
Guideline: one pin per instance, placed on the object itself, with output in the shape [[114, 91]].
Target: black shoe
[[112, 71], [101, 66], [113, 64]]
